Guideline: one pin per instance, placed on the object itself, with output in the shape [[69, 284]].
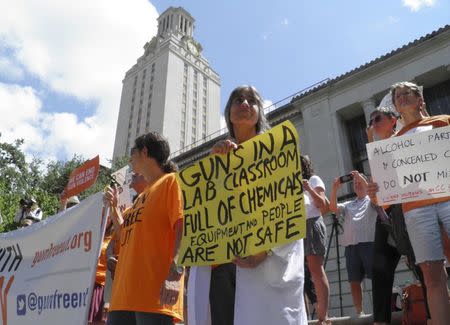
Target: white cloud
[[416, 5], [20, 114], [82, 49], [285, 22]]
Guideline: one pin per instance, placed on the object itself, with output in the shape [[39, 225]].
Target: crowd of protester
[[141, 244]]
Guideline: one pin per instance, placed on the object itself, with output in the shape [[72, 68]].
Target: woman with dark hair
[[424, 218], [316, 204], [269, 285], [148, 283]]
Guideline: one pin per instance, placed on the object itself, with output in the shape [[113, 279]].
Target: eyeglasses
[[404, 93], [239, 100], [376, 119], [133, 150]]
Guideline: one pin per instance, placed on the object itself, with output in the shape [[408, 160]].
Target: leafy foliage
[[43, 182]]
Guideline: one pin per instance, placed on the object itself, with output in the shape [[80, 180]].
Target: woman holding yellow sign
[[269, 285]]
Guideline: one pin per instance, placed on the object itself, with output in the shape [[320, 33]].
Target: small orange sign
[[82, 178]]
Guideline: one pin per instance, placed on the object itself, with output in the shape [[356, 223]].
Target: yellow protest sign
[[245, 202]]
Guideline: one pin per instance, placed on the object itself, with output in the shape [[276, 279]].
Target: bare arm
[[318, 196], [333, 195], [170, 288], [111, 197]]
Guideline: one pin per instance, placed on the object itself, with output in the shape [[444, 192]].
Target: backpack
[[413, 305], [394, 222]]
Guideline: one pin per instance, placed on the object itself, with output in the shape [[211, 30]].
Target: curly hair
[[307, 168]]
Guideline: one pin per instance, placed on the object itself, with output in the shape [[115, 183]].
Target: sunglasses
[[404, 93], [376, 119], [133, 150]]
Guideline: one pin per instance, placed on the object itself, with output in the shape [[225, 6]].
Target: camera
[[27, 203], [346, 178]]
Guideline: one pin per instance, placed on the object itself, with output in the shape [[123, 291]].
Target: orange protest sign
[[82, 178]]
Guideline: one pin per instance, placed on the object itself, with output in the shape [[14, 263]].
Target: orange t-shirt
[[100, 275], [436, 121], [147, 241]]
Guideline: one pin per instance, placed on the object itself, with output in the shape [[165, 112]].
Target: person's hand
[[306, 185], [358, 178], [369, 131], [111, 196], [336, 183], [63, 201], [170, 288], [372, 189], [111, 264], [223, 147], [251, 261]]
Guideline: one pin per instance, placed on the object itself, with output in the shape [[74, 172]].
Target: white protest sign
[[47, 270], [123, 178], [411, 167]]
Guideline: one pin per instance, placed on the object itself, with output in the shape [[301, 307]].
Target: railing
[[267, 110]]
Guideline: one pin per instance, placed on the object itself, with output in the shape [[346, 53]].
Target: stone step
[[361, 320]]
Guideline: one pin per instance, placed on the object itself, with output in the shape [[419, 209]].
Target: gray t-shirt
[[359, 221]]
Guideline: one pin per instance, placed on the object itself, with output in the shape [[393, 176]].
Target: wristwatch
[[178, 268]]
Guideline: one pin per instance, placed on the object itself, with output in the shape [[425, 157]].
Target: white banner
[[47, 270], [411, 167]]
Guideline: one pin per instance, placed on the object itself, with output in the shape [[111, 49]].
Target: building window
[[437, 98], [356, 131]]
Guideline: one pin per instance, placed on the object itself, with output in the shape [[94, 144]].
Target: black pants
[[385, 262], [386, 259], [221, 294], [125, 317]]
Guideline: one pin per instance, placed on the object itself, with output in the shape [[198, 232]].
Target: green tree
[[45, 183]]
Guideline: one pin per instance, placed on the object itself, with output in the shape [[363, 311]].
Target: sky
[[62, 62]]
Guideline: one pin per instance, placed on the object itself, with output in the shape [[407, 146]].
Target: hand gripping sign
[[245, 202]]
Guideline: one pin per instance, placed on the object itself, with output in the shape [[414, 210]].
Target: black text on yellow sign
[[245, 202]]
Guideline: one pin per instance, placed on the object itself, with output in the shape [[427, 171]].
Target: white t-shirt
[[418, 129], [311, 209], [359, 221]]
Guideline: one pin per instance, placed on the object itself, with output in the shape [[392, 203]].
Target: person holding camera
[[359, 233], [28, 213]]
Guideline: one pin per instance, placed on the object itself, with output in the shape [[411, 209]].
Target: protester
[[316, 204], [424, 218], [138, 184], [358, 237], [147, 283], [391, 238], [28, 213], [269, 285], [97, 313], [66, 203]]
